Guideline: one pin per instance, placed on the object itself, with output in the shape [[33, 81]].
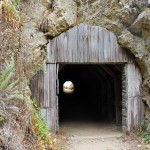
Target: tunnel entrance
[[91, 58], [97, 95]]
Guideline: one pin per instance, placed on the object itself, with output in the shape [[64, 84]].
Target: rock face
[[142, 24], [129, 15], [63, 16]]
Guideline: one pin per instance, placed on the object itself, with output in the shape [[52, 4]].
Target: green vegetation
[[41, 130], [147, 136], [7, 75], [40, 124], [143, 132], [2, 118]]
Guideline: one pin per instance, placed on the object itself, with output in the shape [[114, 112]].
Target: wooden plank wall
[[43, 88], [86, 44], [50, 102], [135, 106], [37, 87]]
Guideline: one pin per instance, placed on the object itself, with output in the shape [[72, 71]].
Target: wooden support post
[[50, 99], [135, 105]]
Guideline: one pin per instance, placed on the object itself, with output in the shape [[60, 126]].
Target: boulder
[[147, 114], [142, 23], [148, 127], [63, 16], [128, 15]]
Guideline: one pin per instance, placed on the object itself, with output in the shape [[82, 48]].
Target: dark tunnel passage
[[97, 93]]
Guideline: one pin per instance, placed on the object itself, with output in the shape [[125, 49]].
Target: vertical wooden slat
[[51, 51], [51, 119], [50, 86], [106, 46], [43, 113], [101, 45], [46, 87], [62, 48], [57, 114], [80, 42], [72, 45], [112, 47], [134, 81], [41, 87], [85, 44], [94, 44], [50, 102], [57, 98], [37, 87]]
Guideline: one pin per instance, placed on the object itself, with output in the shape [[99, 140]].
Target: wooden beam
[[108, 70], [118, 67], [101, 72]]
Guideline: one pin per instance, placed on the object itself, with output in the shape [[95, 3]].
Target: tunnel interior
[[97, 94]]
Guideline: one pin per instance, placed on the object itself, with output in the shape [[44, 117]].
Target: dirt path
[[98, 136], [103, 144]]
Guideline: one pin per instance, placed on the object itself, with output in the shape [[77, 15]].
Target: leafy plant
[[147, 136], [40, 127], [11, 12], [7, 75], [144, 132]]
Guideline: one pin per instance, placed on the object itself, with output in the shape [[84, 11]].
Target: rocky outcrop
[[142, 24], [128, 15], [63, 16]]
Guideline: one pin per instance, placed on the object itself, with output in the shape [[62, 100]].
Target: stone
[[64, 16], [38, 39], [47, 3], [128, 15], [139, 146], [30, 31], [148, 127], [147, 146], [142, 22], [147, 114], [146, 93]]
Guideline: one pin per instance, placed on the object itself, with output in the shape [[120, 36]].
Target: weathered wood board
[[50, 86], [86, 44], [50, 102], [37, 87], [135, 106]]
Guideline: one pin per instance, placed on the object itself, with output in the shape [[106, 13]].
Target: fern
[[7, 75]]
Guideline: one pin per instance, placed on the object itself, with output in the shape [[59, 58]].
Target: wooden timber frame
[[84, 44]]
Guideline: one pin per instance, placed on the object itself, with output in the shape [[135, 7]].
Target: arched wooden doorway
[[85, 44]]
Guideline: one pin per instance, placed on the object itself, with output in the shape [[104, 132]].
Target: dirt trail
[[102, 144], [97, 136]]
